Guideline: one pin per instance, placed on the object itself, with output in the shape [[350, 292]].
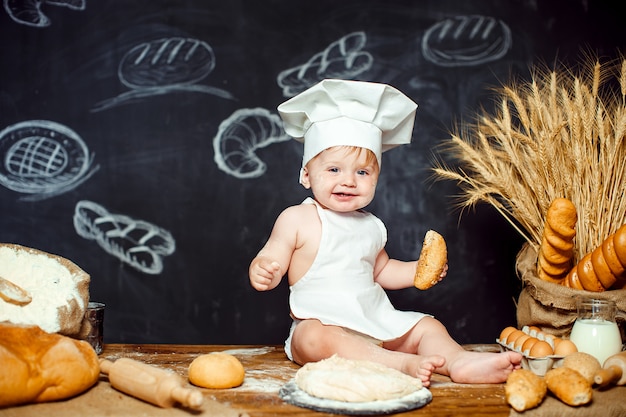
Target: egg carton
[[538, 365]]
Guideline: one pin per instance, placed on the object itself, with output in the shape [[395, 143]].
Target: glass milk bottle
[[595, 330]]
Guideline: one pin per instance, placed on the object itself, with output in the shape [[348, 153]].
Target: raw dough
[[216, 370], [348, 380]]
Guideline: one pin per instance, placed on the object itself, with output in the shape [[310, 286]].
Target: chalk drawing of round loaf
[[28, 12], [163, 66], [241, 135], [466, 41], [138, 243], [42, 158], [342, 59]]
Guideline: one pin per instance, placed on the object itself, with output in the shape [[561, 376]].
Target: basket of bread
[[551, 159]]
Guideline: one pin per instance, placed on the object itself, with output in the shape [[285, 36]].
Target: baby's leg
[[313, 341], [429, 336]]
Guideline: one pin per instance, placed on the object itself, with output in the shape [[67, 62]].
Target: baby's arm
[[393, 274], [272, 262]]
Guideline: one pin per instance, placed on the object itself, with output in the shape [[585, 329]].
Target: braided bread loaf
[[603, 268], [557, 245]]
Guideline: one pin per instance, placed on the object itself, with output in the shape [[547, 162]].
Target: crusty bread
[[44, 290], [569, 386], [587, 365], [524, 389], [556, 251], [37, 366], [432, 261]]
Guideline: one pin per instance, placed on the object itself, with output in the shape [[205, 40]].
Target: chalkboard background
[[139, 135]]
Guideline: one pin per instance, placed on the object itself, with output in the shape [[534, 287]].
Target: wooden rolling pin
[[149, 383], [612, 372]]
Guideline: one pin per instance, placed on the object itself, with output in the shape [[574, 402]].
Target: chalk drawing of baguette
[[138, 243]]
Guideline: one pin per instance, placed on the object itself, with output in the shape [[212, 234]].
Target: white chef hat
[[370, 115]]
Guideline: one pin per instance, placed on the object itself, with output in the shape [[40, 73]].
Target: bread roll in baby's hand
[[432, 261]]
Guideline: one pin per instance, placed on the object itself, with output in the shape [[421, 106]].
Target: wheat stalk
[[561, 134]]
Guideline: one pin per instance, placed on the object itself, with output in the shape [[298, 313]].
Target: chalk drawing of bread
[[342, 59], [162, 66], [42, 158], [28, 12], [466, 41], [241, 135], [136, 242], [167, 61]]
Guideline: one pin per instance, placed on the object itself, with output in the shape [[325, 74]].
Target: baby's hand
[[263, 272], [444, 272]]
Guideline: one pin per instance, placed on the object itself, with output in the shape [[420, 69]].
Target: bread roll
[[587, 365], [613, 262], [572, 280], [587, 275], [432, 261], [216, 370], [619, 243], [602, 268], [557, 244], [524, 389], [37, 366], [569, 386]]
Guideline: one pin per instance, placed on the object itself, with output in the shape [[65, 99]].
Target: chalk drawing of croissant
[[28, 12], [342, 59], [138, 243], [163, 66], [240, 136]]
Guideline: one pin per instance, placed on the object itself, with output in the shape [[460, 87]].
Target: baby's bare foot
[[422, 367], [483, 367]]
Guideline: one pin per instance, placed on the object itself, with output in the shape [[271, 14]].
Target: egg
[[513, 336], [536, 329], [528, 344], [506, 332], [541, 349], [517, 345], [551, 339], [565, 347]]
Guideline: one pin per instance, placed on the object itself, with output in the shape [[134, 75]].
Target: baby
[[333, 252]]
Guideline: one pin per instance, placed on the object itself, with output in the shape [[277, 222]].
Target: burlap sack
[[551, 307]]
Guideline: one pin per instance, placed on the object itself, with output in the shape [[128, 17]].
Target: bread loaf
[[43, 290], [524, 389], [569, 386], [557, 245], [432, 261], [603, 268], [37, 366]]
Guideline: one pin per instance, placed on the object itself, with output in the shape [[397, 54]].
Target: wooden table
[[267, 369]]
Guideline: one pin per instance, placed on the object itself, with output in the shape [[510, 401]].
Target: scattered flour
[[49, 283], [249, 351]]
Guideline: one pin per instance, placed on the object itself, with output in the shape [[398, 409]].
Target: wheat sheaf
[[558, 134]]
